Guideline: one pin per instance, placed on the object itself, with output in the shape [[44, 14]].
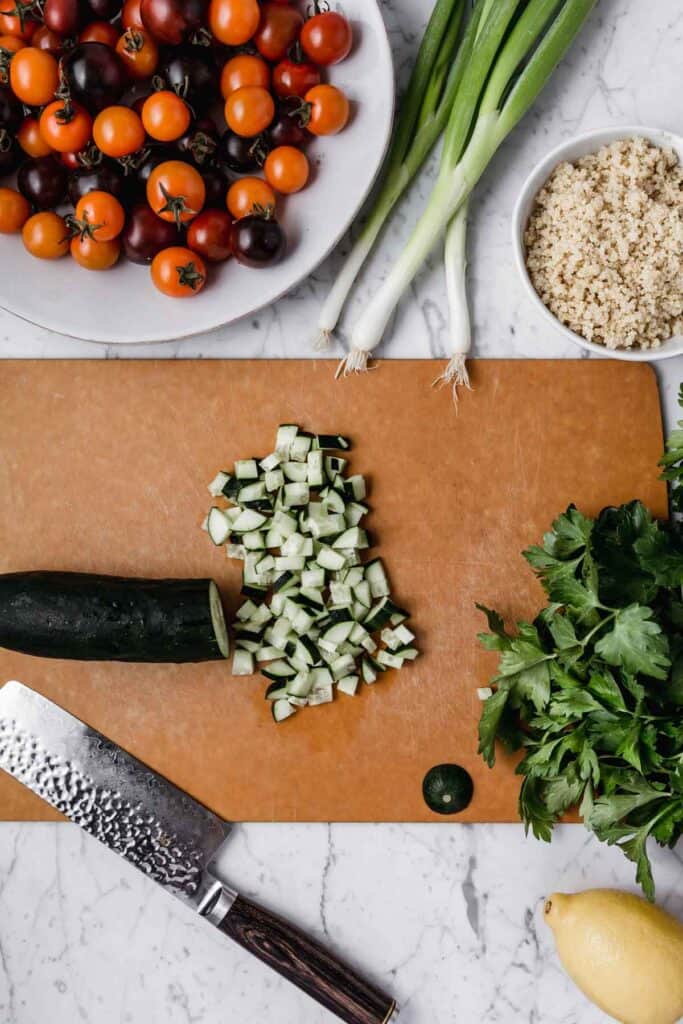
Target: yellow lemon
[[624, 953]]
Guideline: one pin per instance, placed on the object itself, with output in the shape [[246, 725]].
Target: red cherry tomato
[[278, 28], [327, 38], [11, 24], [130, 14], [100, 32], [209, 235], [295, 78]]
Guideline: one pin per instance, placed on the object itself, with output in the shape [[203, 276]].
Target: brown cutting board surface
[[104, 466]]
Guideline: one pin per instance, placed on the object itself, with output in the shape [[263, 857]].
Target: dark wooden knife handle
[[302, 961]]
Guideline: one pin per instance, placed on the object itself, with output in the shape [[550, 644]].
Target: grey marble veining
[[447, 916]]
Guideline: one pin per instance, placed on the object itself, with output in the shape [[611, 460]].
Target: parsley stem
[[603, 622]]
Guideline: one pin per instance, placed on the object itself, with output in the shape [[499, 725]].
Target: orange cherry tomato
[[165, 116], [130, 14], [244, 69], [95, 255], [328, 110], [118, 131], [33, 76], [100, 32], [178, 272], [176, 191], [14, 211], [100, 216], [11, 43], [234, 22], [249, 110], [139, 52], [67, 129], [286, 169], [46, 235], [13, 25], [45, 39], [249, 195], [30, 139]]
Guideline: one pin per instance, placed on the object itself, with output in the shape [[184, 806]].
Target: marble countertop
[[445, 916]]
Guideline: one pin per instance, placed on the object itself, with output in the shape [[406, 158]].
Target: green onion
[[424, 113], [513, 56]]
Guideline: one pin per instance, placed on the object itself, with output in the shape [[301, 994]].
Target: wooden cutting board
[[104, 466]]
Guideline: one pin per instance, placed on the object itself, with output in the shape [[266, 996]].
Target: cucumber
[[447, 788], [106, 618]]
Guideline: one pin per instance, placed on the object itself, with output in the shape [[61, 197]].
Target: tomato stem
[[189, 276], [175, 205]]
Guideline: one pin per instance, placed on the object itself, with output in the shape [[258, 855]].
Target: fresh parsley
[[592, 690]]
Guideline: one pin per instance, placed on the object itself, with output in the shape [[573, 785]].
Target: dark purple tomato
[[11, 153], [104, 10], [200, 142], [105, 177], [257, 241], [42, 181], [173, 21], [216, 183], [11, 110], [65, 17], [286, 129], [243, 155], [209, 235], [191, 73], [96, 75], [145, 234]]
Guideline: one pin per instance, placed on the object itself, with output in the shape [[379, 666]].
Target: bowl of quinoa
[[598, 241]]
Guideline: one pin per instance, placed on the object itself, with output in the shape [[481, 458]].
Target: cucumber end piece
[[218, 620], [447, 788]]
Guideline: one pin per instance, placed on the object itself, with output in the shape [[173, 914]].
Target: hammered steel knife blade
[[169, 836]]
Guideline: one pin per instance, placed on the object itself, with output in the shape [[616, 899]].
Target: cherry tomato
[[145, 234], [118, 131], [139, 52], [94, 255], [30, 139], [11, 43], [278, 29], [257, 241], [100, 32], [244, 69], [173, 21], [63, 16], [42, 180], [190, 71], [233, 22], [46, 236], [66, 128], [178, 272], [45, 39], [95, 75], [34, 76], [130, 14], [15, 210], [12, 24], [99, 215], [249, 111], [287, 127], [328, 110], [286, 169], [327, 38], [250, 195], [209, 235], [165, 116], [176, 191], [295, 78]]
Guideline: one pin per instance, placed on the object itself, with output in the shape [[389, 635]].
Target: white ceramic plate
[[122, 306], [574, 149]]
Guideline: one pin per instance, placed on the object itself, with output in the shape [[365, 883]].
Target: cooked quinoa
[[604, 245]]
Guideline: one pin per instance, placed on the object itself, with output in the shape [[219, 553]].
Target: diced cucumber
[[329, 559], [218, 483], [246, 469], [376, 576], [242, 662], [282, 709], [389, 660], [275, 479], [296, 494], [354, 538], [348, 685], [218, 526]]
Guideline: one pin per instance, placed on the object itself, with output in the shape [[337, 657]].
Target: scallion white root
[[455, 258]]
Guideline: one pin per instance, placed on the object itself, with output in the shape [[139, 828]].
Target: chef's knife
[[167, 835]]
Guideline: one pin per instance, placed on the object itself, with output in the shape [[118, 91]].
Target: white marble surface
[[446, 916]]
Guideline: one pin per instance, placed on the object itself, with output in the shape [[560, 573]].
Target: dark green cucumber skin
[[106, 618], [451, 779]]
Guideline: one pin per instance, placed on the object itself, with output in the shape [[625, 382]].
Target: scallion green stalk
[[424, 113], [501, 93]]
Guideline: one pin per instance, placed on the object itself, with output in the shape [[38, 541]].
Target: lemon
[[624, 953]]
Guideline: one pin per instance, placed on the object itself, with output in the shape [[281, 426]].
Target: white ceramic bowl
[[122, 306], [572, 150]]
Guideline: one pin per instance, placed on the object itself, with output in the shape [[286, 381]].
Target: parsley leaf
[[636, 643]]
